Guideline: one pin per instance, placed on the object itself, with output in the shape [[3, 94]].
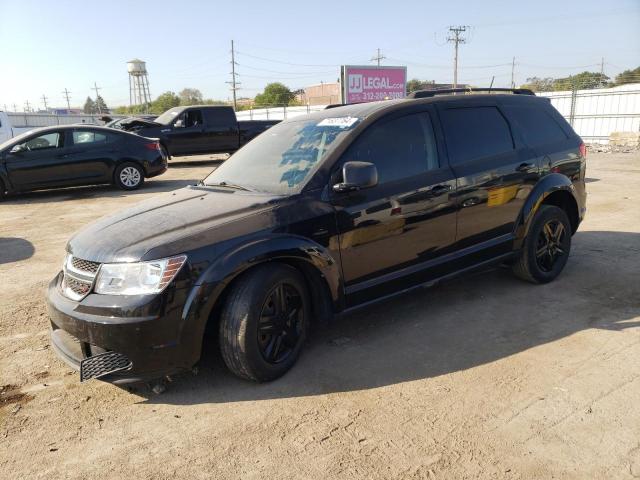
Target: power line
[[456, 39], [234, 83], [66, 95], [378, 57], [95, 87], [286, 63]]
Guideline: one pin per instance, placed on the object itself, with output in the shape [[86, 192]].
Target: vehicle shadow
[[459, 325], [15, 249]]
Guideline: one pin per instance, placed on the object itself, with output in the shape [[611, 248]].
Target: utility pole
[[66, 95], [378, 57], [15, 108], [95, 87], [513, 70], [602, 73], [233, 82], [44, 100], [456, 38], [27, 106]]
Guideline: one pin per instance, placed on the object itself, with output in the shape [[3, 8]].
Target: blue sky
[[46, 46]]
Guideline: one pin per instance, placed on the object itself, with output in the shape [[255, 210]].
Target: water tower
[[138, 82]]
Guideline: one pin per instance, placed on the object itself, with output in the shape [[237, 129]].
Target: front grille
[[84, 265], [103, 364], [78, 278], [78, 287]]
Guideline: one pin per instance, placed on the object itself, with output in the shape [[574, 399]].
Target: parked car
[[323, 214], [199, 129], [78, 155], [117, 123]]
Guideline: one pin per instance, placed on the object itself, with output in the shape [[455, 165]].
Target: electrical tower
[[378, 57], [456, 38], [66, 95], [234, 83], [139, 93]]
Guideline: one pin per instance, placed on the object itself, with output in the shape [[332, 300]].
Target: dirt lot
[[484, 377]]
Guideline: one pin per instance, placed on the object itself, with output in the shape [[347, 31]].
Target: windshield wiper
[[227, 185]]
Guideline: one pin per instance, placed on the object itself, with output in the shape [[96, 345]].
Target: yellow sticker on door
[[501, 195]]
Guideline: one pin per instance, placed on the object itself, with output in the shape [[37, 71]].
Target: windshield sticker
[[341, 122]]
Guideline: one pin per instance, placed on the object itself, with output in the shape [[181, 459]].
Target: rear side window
[[220, 117], [85, 137], [399, 148], [475, 132], [536, 126]]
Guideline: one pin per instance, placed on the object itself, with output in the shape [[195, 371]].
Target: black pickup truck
[[199, 129]]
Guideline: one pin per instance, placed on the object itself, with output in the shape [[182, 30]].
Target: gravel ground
[[483, 377]]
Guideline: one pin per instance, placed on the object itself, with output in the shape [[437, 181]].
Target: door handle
[[438, 189], [524, 167]]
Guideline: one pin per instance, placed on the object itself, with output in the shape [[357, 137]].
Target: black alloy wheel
[[279, 328], [550, 245]]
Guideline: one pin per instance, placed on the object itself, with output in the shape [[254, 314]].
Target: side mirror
[[356, 176], [17, 149], [179, 123]]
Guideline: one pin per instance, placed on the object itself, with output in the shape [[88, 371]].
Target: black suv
[[319, 215]]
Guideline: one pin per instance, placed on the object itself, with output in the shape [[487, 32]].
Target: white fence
[[597, 113], [277, 112], [33, 120]]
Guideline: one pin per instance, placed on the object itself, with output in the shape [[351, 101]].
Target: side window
[[399, 148], [88, 137], [193, 118], [220, 117], [49, 140], [475, 132], [537, 126]]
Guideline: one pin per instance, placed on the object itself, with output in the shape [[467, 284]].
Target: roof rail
[[433, 93]]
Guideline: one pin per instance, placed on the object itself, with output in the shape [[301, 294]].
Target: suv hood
[[133, 123], [173, 223]]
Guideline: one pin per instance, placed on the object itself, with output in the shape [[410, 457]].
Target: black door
[[494, 169], [40, 163], [391, 232], [221, 130], [90, 155], [186, 135]]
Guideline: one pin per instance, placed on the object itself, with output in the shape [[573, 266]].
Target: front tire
[[264, 322], [129, 176], [546, 248]]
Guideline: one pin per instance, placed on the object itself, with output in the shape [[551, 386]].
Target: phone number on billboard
[[376, 96]]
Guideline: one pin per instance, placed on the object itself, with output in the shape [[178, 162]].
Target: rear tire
[[264, 322], [129, 176], [546, 248]]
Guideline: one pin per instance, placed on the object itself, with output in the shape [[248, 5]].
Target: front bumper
[[146, 329]]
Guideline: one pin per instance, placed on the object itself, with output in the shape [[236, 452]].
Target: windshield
[[167, 117], [283, 158]]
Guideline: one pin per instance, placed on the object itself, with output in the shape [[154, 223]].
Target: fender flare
[[206, 292], [546, 186]]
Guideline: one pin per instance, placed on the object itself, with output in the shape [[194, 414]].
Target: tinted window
[[49, 140], [220, 117], [475, 132], [536, 125], [85, 137], [399, 148]]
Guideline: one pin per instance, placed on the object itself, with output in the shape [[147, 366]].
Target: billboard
[[369, 84]]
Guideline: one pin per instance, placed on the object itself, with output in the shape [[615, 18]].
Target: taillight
[[153, 146], [583, 150]]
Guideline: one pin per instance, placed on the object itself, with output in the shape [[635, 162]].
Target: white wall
[[600, 112]]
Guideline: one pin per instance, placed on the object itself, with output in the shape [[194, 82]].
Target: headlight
[[137, 278]]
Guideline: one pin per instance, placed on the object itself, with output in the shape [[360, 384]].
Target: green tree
[[100, 105], [89, 106], [275, 94], [628, 76], [538, 84], [415, 84], [190, 96], [164, 102], [581, 81]]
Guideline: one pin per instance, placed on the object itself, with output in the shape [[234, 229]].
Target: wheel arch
[[553, 189], [320, 270]]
